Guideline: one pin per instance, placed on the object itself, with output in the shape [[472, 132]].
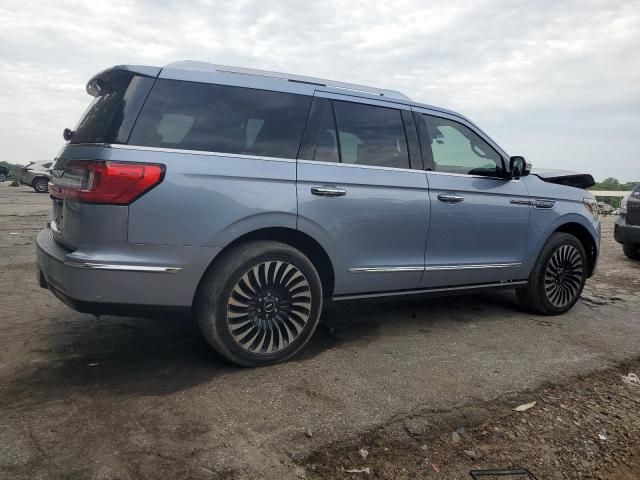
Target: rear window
[[218, 118], [110, 116]]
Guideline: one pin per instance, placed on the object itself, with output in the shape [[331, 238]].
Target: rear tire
[[40, 185], [260, 303], [557, 278], [631, 250], [3, 177]]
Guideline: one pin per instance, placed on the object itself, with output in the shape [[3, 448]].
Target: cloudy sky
[[555, 81]]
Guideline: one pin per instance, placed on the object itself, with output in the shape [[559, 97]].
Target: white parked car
[[36, 175]]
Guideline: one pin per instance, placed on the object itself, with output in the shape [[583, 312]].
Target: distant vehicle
[[627, 228], [253, 197], [604, 208], [36, 175], [4, 174]]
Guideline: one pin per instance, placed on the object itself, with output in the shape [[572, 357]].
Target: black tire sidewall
[[211, 308], [41, 179], [3, 177], [631, 250], [537, 286]]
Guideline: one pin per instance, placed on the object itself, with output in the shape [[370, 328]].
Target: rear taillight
[[112, 183]]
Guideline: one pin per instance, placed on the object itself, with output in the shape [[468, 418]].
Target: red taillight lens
[[112, 183]]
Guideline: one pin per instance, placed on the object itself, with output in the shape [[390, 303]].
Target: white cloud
[[556, 81]]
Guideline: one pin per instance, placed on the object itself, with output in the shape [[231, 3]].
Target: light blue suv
[[252, 197]]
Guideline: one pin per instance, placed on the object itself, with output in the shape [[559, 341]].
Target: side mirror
[[519, 167]]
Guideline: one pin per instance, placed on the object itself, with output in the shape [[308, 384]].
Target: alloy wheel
[[563, 277], [41, 185], [269, 307]]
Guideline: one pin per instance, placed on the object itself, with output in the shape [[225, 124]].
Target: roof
[[323, 82]]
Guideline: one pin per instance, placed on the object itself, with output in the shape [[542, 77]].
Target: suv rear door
[[359, 195], [479, 219]]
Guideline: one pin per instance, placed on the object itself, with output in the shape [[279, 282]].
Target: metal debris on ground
[[359, 470], [631, 379], [364, 453], [525, 406]]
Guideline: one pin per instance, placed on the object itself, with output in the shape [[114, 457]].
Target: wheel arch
[[310, 247], [586, 239]]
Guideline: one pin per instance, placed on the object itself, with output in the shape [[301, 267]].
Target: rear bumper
[[93, 284], [625, 233]]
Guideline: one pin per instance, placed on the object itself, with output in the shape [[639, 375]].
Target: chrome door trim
[[386, 269], [472, 267], [433, 268], [117, 146], [367, 167], [480, 286], [487, 177]]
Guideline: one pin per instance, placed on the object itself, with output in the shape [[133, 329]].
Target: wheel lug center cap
[[269, 305]]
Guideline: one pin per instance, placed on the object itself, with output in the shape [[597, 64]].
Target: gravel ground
[[133, 398]]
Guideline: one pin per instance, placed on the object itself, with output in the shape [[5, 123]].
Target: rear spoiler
[[105, 81], [564, 177]]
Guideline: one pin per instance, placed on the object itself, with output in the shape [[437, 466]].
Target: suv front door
[[479, 219], [358, 194]]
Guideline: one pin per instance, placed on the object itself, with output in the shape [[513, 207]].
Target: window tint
[[110, 116], [457, 149], [218, 118], [95, 124], [327, 146], [371, 135]]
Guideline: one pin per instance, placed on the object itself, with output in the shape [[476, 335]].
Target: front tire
[[3, 177], [41, 185], [260, 303], [557, 278], [631, 250]]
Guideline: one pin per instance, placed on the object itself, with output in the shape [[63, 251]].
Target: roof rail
[[211, 67]]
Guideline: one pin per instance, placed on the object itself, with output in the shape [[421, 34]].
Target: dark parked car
[[4, 174], [627, 228]]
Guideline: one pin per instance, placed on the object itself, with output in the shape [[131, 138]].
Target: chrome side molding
[[431, 268]]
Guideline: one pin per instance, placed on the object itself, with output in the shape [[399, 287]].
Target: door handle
[[450, 198], [328, 191]]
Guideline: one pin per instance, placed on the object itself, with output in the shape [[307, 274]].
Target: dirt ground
[[130, 398]]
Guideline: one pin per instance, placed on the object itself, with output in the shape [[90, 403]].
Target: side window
[[371, 135], [327, 147], [219, 118], [458, 149], [47, 165]]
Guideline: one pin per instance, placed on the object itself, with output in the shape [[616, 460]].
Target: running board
[[481, 286]]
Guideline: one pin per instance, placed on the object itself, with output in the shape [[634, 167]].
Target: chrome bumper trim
[[121, 267]]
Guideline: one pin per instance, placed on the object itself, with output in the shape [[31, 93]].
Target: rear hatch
[[90, 191], [633, 207]]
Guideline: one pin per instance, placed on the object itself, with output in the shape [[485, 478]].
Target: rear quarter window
[[219, 118], [110, 116]]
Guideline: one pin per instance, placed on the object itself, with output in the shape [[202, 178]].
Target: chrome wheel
[[564, 275], [268, 307], [41, 185]]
